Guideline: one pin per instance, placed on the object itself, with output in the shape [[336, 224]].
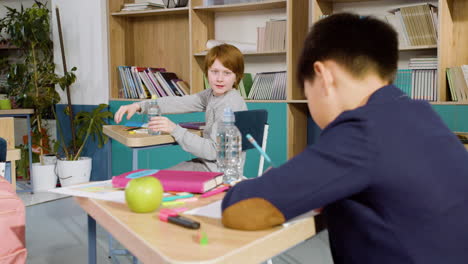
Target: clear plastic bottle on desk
[[229, 148], [153, 110]]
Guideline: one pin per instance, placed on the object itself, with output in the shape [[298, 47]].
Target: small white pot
[[43, 177], [72, 172]]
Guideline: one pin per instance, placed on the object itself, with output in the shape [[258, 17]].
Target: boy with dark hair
[[390, 175]]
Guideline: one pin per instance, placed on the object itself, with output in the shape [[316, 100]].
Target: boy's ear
[[324, 75]]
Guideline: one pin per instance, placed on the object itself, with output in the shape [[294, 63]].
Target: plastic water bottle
[[153, 110], [229, 148]]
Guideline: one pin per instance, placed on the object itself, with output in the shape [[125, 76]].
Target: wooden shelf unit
[[176, 40], [452, 36]]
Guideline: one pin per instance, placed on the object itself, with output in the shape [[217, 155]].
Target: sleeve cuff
[[143, 106], [178, 132]]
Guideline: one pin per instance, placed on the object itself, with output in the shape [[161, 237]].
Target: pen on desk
[[172, 203], [183, 221], [132, 128], [176, 197], [215, 191], [172, 216], [263, 153]]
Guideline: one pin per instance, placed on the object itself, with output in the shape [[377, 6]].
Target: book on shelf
[[272, 37], [141, 6], [158, 2], [146, 82], [193, 125], [182, 86], [173, 180], [206, 83], [457, 78], [416, 24], [245, 85], [269, 86], [165, 78]]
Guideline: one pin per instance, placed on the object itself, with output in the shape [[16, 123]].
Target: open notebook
[[174, 181]]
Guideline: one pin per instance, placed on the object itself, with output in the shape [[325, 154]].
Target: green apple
[[144, 195]]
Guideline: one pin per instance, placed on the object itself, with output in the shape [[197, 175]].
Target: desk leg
[[109, 161], [135, 159], [91, 240], [30, 151]]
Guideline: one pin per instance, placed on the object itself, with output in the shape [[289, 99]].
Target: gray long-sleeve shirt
[[203, 147]]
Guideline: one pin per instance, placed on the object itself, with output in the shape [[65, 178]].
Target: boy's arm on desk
[[318, 176]]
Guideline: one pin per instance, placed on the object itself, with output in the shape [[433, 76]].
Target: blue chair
[[3, 149], [255, 123]]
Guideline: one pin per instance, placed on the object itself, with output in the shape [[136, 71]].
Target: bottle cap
[[228, 115]]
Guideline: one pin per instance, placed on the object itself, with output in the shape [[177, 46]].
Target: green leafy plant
[[31, 80], [89, 125]]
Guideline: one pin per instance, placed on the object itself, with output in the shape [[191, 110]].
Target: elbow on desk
[[252, 214]]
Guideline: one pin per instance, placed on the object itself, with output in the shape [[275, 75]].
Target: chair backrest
[[253, 122]]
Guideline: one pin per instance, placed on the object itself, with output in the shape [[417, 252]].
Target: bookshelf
[[452, 32], [175, 39]]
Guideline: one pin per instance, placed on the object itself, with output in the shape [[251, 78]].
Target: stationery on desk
[[263, 153], [173, 180]]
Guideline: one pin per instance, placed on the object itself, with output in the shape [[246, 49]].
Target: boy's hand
[[161, 123], [130, 110]]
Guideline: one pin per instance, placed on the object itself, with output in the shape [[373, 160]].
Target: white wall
[[242, 27], [84, 29]]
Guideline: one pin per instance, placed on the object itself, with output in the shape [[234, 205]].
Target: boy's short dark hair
[[231, 58], [359, 44]]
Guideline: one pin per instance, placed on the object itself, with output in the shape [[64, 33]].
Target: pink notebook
[[174, 181]]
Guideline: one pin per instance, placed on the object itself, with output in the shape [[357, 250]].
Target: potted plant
[[72, 168], [31, 78]]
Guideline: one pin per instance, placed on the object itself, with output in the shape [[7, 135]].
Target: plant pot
[[48, 159], [5, 104], [72, 172], [43, 177]]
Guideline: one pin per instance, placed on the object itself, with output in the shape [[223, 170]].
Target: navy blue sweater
[[393, 181]]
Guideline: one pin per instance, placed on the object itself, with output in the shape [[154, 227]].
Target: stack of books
[[424, 78], [458, 83], [416, 24], [272, 37], [142, 83], [269, 86], [141, 6]]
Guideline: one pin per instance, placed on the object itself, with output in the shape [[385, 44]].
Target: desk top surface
[[119, 133], [25, 111], [154, 241]]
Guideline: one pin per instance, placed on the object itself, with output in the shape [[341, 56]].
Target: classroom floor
[[56, 233]]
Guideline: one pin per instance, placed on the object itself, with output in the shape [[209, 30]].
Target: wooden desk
[[139, 141], [12, 156], [153, 241], [15, 154]]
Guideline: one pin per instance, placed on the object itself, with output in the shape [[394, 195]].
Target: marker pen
[[173, 217]]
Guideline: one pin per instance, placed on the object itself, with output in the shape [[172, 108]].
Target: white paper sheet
[[212, 210], [101, 190]]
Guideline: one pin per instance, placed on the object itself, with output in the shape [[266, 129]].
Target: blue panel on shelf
[[99, 155]]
